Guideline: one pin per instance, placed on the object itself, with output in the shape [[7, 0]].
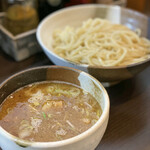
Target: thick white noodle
[[98, 42]]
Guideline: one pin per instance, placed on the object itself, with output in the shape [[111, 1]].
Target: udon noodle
[[98, 42]]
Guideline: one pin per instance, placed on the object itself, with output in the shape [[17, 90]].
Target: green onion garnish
[[44, 115]]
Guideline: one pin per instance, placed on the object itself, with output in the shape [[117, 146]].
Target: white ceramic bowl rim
[[70, 140], [82, 6]]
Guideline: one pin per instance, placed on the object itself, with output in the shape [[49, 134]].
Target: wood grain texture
[[129, 123]]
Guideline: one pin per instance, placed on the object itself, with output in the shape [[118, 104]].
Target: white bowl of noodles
[[89, 38]]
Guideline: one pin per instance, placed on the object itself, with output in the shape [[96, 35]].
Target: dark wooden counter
[[129, 123]]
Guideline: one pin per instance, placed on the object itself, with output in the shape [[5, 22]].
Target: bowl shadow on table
[[121, 92], [124, 122]]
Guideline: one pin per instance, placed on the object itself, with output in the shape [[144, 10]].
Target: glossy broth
[[49, 111]]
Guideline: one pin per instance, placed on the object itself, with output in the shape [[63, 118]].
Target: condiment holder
[[17, 29]]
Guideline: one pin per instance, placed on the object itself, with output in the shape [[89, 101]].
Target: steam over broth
[[49, 111]]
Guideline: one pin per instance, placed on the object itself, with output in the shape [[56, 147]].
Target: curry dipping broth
[[49, 111]]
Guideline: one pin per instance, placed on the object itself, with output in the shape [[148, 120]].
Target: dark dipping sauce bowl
[[87, 140]]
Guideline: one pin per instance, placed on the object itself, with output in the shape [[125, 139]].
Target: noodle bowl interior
[[98, 42], [49, 111]]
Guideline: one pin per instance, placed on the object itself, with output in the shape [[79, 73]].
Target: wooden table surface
[[129, 123]]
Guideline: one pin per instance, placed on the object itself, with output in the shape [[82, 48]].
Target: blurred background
[[25, 15], [140, 5]]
